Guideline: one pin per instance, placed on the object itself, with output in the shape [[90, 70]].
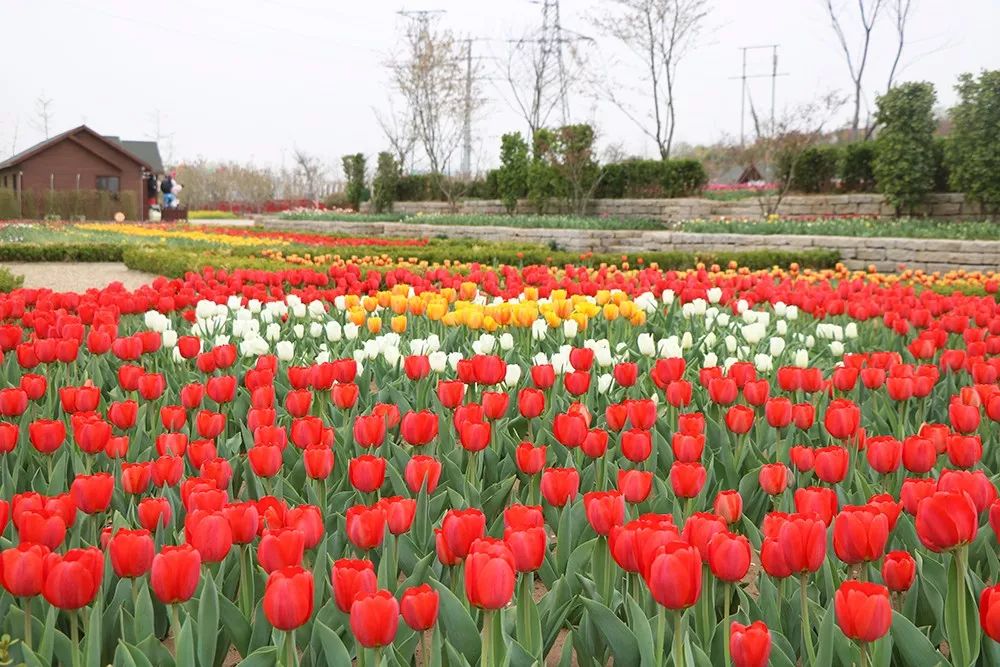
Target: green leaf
[[143, 625], [643, 633], [913, 645], [208, 622], [528, 623], [825, 646], [457, 625], [184, 644], [138, 658], [333, 646], [266, 656], [92, 642], [235, 624], [620, 639], [958, 601]]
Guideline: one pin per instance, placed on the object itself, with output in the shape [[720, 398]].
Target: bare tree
[[868, 11], [311, 170], [43, 114], [659, 33], [900, 12], [777, 148], [434, 79], [400, 132]]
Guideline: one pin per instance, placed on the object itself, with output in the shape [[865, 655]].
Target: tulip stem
[[27, 622], [290, 648], [74, 633], [961, 589], [487, 657], [661, 632], [678, 650], [728, 593], [807, 639], [425, 657], [864, 655], [175, 618]]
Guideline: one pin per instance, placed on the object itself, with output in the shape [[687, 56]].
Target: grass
[[212, 215], [519, 221], [917, 228]]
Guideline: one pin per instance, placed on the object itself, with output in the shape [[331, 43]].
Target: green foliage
[[856, 167], [572, 155], [9, 209], [812, 170], [354, 172], [61, 252], [512, 177], [975, 141], [8, 281], [652, 179], [904, 161], [212, 215], [417, 187], [77, 204], [922, 228], [543, 179], [384, 186], [483, 188], [942, 165]]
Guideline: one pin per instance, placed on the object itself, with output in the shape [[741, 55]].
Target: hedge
[[61, 252], [651, 179]]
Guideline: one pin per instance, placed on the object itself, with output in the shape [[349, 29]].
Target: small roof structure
[[112, 142]]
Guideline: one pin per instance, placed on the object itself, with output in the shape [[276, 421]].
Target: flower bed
[[850, 225], [503, 464]]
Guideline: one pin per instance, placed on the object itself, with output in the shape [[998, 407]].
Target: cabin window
[[108, 183]]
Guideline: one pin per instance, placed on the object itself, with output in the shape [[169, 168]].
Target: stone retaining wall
[[886, 254], [943, 206]]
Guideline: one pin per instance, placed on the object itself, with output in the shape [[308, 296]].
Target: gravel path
[[77, 277]]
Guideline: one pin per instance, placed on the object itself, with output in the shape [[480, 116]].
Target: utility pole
[[744, 91], [467, 115]]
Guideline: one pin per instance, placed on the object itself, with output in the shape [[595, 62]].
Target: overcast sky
[[251, 79]]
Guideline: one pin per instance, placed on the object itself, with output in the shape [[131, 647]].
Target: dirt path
[[77, 277]]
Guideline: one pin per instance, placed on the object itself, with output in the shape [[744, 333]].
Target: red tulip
[[47, 435], [729, 556], [816, 500], [914, 490], [529, 458], [460, 528], [350, 578], [131, 552], [773, 478], [280, 548], [863, 610], [750, 645], [604, 509], [421, 470], [366, 473], [419, 607], [626, 373], [173, 417], [209, 533], [154, 512], [989, 612], [802, 541], [374, 619], [474, 436], [23, 567], [674, 575], [635, 485], [570, 429], [687, 479], [528, 544], [964, 451], [318, 461], [365, 526], [739, 419], [344, 395], [92, 493], [637, 445], [860, 534], [530, 402], [543, 376], [830, 464], [399, 513], [288, 597], [729, 505], [244, 521], [778, 412], [72, 580], [699, 530], [490, 574], [899, 569], [419, 428], [964, 418], [884, 454], [688, 448], [947, 519], [559, 485]]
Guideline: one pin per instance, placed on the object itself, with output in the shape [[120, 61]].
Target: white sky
[[250, 79]]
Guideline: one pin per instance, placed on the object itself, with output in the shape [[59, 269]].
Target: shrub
[[543, 180], [354, 172], [212, 215], [942, 164], [855, 169], [417, 187], [384, 185], [73, 204], [8, 281], [512, 176], [904, 160], [651, 179], [9, 210], [975, 140], [482, 188], [813, 170], [61, 252]]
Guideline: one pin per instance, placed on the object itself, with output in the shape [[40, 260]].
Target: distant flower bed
[[850, 225]]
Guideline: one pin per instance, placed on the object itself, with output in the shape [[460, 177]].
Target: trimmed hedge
[[61, 252], [651, 179]]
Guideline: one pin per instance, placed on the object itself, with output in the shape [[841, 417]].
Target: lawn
[[520, 221], [921, 228]]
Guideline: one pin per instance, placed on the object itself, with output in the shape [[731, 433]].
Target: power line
[[743, 77]]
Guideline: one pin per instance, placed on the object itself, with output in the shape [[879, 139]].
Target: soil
[[77, 276]]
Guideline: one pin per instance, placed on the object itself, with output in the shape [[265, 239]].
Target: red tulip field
[[496, 465]]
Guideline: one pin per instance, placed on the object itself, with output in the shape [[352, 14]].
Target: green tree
[[512, 176], [384, 184], [543, 180], [974, 146], [904, 161], [354, 172]]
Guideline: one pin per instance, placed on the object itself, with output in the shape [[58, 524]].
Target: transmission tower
[[552, 39], [744, 90]]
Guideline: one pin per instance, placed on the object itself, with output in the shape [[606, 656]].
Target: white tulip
[[780, 308], [570, 328], [176, 355], [753, 333], [169, 338], [273, 331], [316, 309], [299, 330], [709, 341], [669, 348], [602, 355], [722, 319], [851, 330], [513, 375], [714, 294], [667, 297], [728, 363], [433, 343], [334, 331], [730, 342], [315, 329], [322, 357], [453, 360], [776, 346], [359, 357], [371, 348], [220, 340], [285, 349], [837, 348], [392, 356], [646, 301], [763, 363], [781, 326], [340, 302], [711, 360], [350, 331], [243, 315], [299, 310], [801, 358], [687, 340], [487, 342], [810, 342], [604, 383], [204, 309], [792, 313], [741, 306], [266, 316], [254, 305], [438, 361], [646, 343], [539, 359], [539, 329], [506, 342]]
